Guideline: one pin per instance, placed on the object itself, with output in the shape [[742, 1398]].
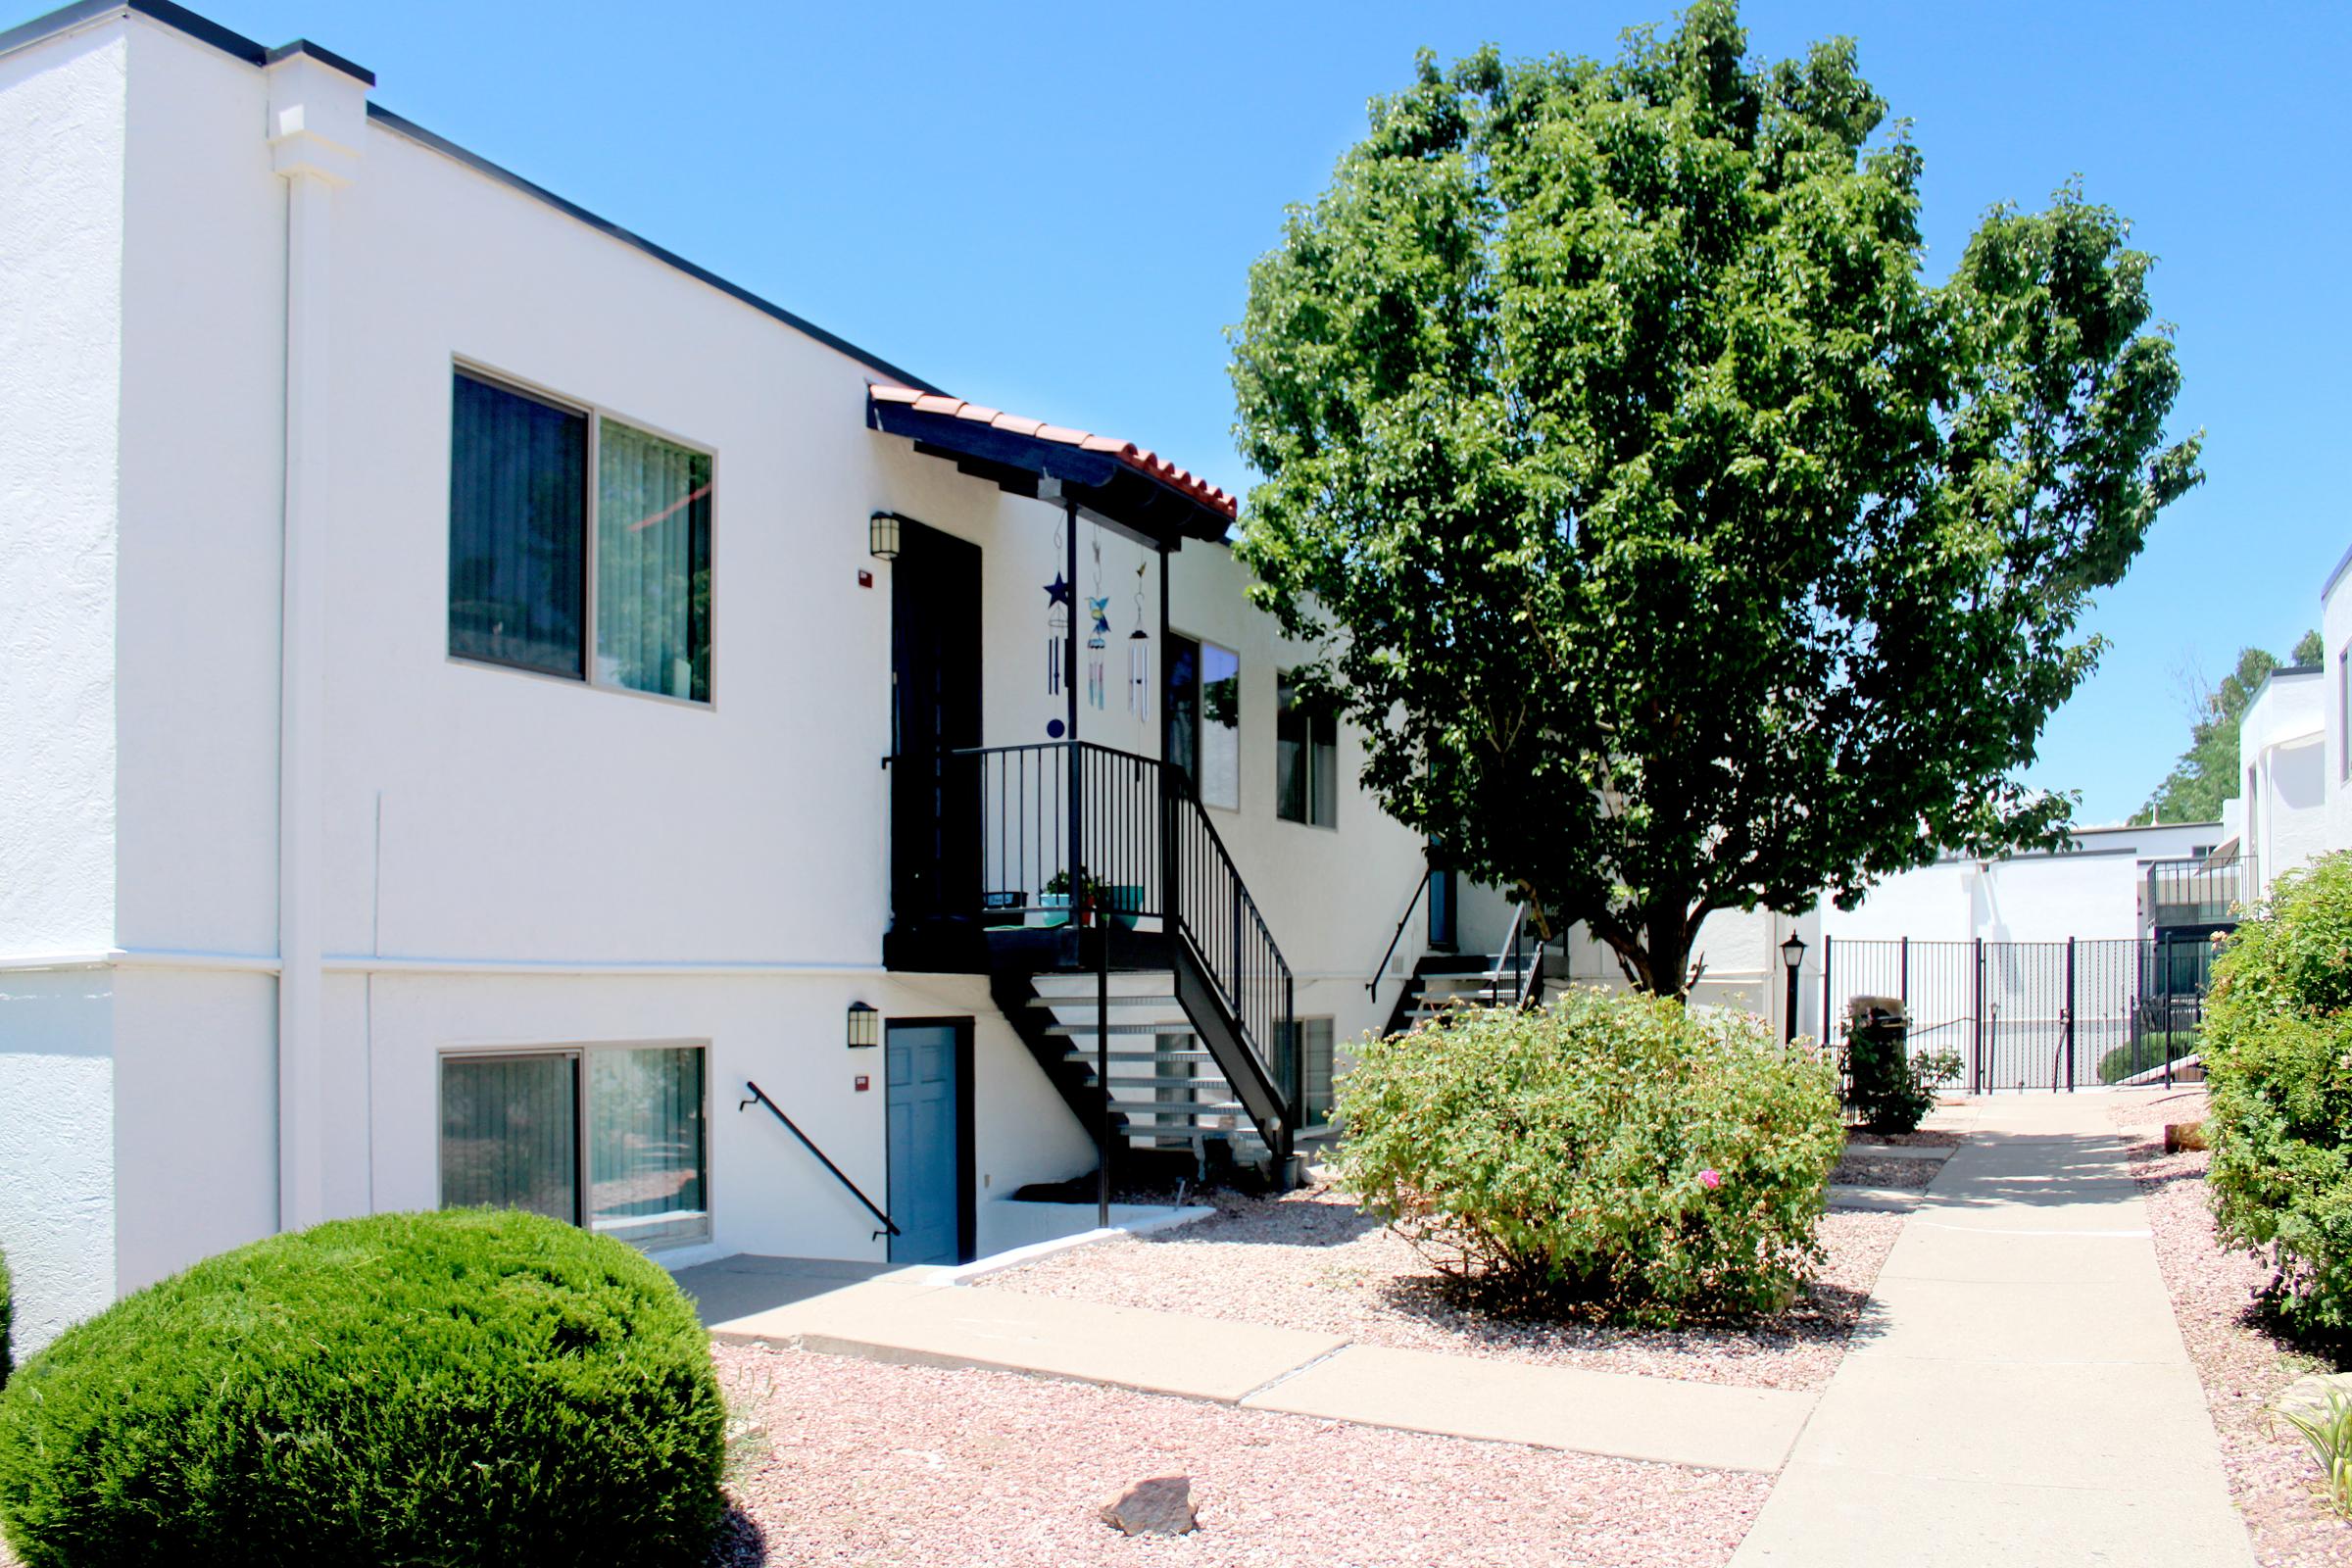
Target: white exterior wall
[[2335, 782], [2282, 751], [507, 860], [62, 136]]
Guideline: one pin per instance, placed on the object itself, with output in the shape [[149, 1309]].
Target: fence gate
[[2034, 1014]]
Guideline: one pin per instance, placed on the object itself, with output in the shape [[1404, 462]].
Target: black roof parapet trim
[[324, 56]]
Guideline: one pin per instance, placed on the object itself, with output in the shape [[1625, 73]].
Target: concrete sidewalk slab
[[1990, 1320], [1713, 1425], [2019, 1394], [1830, 1517], [1876, 1200], [1933, 1247], [2016, 1422], [1085, 1341]]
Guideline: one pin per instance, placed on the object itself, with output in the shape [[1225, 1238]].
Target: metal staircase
[[1119, 937], [1168, 1093], [1510, 977]]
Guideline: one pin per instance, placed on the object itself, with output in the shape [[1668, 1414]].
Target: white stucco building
[[2278, 819], [453, 649]]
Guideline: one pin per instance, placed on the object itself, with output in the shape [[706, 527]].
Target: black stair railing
[[1060, 833], [1522, 960], [1381, 971], [1218, 918]]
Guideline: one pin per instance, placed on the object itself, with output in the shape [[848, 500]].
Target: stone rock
[[2308, 1396], [1159, 1507]]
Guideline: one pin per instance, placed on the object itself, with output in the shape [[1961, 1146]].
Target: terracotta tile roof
[[1139, 458]]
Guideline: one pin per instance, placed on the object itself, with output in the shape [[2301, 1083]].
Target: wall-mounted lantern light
[[882, 535], [865, 1026]]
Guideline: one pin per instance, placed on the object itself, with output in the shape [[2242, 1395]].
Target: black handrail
[[1372, 986], [1098, 836], [760, 1096], [1526, 973], [1214, 912]]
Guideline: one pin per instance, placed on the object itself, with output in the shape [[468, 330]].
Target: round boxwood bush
[[2277, 1052], [1622, 1155], [460, 1388]]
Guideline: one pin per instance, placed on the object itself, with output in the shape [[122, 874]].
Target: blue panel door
[[926, 1142]]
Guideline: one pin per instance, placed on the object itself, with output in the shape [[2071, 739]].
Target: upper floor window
[[1204, 718], [1306, 758], [578, 545]]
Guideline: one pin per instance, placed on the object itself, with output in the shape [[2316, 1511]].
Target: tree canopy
[[1677, 546], [2207, 773]]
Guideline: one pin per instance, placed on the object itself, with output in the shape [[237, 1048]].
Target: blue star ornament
[[1058, 592]]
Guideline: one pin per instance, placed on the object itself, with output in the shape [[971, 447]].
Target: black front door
[[935, 696]]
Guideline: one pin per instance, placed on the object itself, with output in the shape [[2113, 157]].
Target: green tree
[[1677, 546], [2207, 773]]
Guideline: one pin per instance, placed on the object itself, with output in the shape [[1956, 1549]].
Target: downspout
[[318, 118]]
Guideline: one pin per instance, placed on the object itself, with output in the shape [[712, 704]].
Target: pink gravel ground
[[2273, 1477], [841, 1461], [1310, 1260], [1858, 1169]]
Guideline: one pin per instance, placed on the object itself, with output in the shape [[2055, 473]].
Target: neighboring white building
[[2278, 819], [2335, 706], [2096, 890], [451, 664]]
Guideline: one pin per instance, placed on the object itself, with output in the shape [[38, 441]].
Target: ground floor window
[[1311, 1039], [609, 1136]]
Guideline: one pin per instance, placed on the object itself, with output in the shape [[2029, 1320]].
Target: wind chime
[[1057, 627], [1139, 657], [1098, 605]]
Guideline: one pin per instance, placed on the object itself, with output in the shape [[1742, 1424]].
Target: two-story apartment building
[[483, 692]]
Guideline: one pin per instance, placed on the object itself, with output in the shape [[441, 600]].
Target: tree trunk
[[1669, 950]]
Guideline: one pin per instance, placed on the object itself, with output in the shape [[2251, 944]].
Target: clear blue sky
[[1050, 208]]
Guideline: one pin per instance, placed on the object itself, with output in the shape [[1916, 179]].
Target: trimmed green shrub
[[468, 1387], [1620, 1155], [2278, 1054], [2149, 1050]]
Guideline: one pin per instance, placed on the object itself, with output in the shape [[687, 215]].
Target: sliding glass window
[[653, 563], [532, 482], [622, 1127], [509, 1134], [518, 527]]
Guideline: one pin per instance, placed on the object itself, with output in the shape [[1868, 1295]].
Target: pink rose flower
[[1710, 1179]]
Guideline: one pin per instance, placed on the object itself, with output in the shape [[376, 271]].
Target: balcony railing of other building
[[2203, 892]]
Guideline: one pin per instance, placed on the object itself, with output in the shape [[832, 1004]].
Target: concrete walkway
[[921, 1316], [2019, 1395]]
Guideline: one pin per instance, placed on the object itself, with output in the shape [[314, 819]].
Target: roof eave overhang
[[1151, 513]]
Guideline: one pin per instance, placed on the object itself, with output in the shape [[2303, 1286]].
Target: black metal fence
[[2049, 1015]]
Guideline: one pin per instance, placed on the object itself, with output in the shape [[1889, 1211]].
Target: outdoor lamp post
[[1792, 958]]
